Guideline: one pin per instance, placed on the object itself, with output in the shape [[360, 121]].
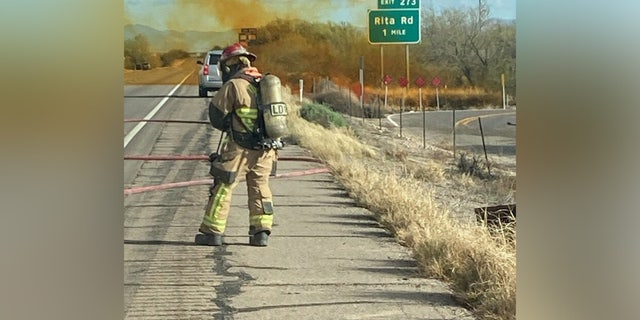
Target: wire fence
[[484, 137]]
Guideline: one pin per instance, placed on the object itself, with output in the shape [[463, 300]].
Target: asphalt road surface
[[327, 257]]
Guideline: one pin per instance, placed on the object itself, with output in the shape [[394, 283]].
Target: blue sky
[[203, 14], [502, 9]]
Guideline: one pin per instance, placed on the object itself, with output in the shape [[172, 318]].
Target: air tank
[[273, 107]]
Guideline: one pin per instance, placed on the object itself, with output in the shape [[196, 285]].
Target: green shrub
[[137, 52], [322, 115]]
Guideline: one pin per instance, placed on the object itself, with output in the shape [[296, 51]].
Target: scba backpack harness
[[271, 124]]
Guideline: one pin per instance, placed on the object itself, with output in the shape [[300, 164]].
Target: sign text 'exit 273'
[[398, 4]]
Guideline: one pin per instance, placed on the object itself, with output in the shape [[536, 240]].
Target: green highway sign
[[394, 26], [398, 4]]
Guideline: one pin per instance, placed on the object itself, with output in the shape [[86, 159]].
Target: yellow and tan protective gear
[[239, 96], [255, 166]]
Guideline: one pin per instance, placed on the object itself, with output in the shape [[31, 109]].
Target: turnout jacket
[[238, 99]]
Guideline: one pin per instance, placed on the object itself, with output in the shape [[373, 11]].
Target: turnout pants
[[255, 166]]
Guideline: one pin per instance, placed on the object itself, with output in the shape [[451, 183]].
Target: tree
[[300, 49], [465, 41], [136, 50]]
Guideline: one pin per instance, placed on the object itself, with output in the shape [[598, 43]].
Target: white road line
[[392, 122], [395, 114], [155, 110]]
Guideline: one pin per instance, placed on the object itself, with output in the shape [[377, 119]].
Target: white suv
[[209, 78]]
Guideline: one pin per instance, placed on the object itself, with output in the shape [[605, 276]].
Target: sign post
[[436, 83], [420, 83], [301, 84], [362, 86], [403, 83], [504, 99], [386, 80]]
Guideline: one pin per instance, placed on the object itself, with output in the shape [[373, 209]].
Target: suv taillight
[[206, 70]]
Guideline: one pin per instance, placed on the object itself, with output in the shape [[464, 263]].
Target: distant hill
[[191, 41]]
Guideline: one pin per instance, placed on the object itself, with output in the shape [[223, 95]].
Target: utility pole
[[362, 86]]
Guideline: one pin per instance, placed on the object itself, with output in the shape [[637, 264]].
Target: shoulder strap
[[249, 78], [254, 82]]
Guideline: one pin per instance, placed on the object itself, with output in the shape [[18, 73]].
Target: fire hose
[[210, 181], [169, 121], [206, 157]]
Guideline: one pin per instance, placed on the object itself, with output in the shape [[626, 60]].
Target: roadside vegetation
[[137, 53], [478, 261], [463, 47]]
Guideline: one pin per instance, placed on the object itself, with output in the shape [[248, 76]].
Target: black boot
[[259, 239], [209, 239]]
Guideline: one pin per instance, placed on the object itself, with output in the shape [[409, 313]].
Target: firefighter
[[245, 152]]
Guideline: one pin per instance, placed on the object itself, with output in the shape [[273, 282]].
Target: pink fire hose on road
[[167, 121], [210, 181], [205, 157]]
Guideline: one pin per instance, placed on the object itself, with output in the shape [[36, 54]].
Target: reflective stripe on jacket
[[241, 96]]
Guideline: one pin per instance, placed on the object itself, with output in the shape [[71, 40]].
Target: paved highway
[[144, 101], [327, 257]]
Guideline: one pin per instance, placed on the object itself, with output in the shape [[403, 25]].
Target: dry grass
[[458, 98], [480, 266], [414, 91]]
